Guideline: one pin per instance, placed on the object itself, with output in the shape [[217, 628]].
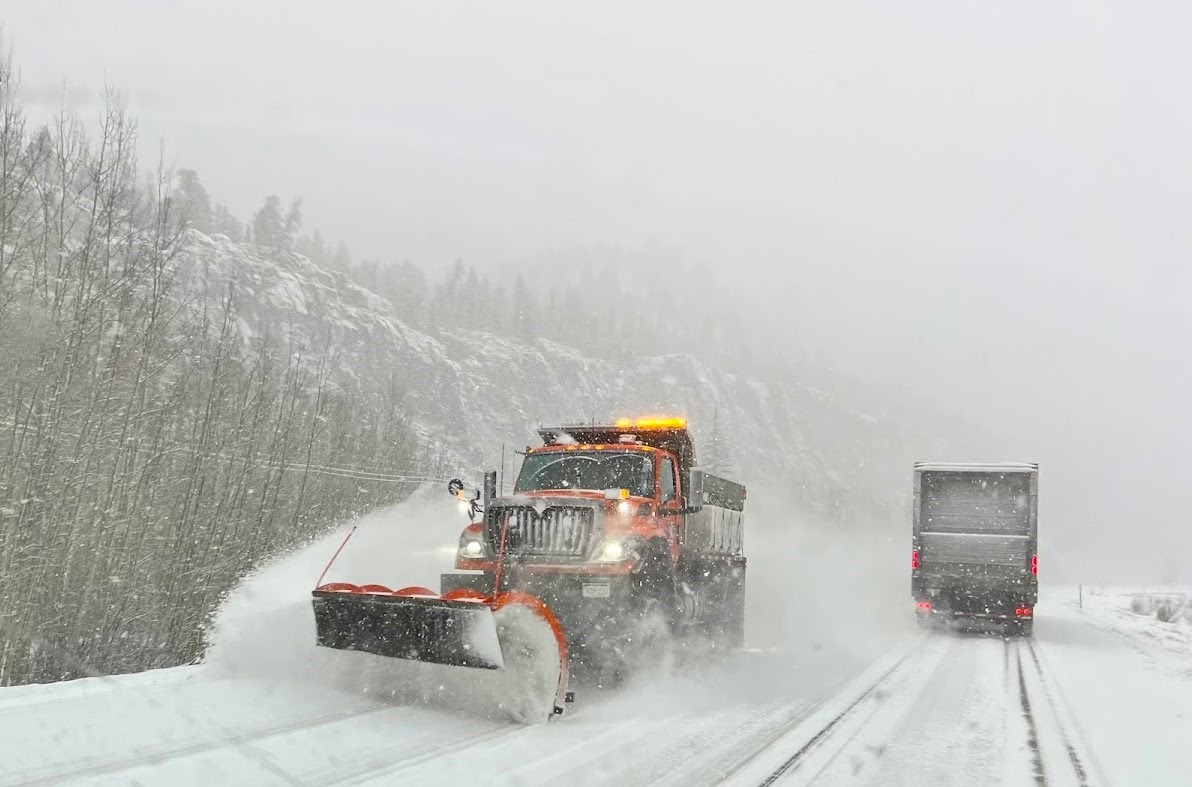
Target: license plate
[[597, 591]]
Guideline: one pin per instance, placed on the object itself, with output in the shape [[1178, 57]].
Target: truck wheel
[[653, 615], [1026, 628], [655, 582]]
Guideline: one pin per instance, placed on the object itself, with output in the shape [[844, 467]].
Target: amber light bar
[[652, 423]]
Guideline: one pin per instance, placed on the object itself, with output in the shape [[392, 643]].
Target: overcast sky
[[986, 204]]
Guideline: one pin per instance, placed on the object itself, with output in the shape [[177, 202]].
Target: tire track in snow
[[826, 721], [1067, 736], [97, 766], [404, 768], [17, 699], [871, 721], [1032, 728], [722, 750], [826, 731], [408, 760], [668, 748]]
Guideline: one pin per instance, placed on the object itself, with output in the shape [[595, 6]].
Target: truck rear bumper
[[975, 594], [947, 614]]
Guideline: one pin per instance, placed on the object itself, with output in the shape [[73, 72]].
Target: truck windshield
[[593, 471]]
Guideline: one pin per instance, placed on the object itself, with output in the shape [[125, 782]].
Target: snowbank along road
[[1102, 695]]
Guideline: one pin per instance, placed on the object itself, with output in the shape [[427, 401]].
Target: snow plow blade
[[411, 623]]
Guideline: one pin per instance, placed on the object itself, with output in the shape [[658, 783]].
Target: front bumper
[[594, 607], [543, 567]]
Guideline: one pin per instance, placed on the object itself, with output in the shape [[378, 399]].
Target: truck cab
[[633, 488]]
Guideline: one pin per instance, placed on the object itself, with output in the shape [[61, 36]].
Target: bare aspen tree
[[16, 185], [160, 435]]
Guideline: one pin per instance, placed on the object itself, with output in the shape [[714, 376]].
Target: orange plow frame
[[456, 599], [432, 616]]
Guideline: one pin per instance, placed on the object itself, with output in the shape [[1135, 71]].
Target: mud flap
[[412, 623]]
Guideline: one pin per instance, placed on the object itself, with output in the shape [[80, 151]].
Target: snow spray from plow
[[457, 629]]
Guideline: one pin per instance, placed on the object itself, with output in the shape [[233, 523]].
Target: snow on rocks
[[470, 391]]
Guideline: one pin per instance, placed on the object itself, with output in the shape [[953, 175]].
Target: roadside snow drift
[[265, 628]]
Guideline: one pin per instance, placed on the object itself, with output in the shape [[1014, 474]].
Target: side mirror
[[695, 490], [469, 500], [490, 487]]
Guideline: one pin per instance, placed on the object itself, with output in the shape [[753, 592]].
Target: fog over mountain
[[962, 218]]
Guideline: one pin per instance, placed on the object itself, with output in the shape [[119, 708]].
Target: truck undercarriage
[[616, 622]]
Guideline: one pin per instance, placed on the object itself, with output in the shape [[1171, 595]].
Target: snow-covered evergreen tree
[[269, 224], [194, 203], [717, 456]]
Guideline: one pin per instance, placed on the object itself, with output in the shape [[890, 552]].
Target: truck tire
[[656, 580], [653, 615], [1026, 628]]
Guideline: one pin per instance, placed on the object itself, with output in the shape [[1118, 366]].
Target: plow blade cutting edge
[[411, 623]]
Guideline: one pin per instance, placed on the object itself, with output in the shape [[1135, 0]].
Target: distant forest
[[615, 309]]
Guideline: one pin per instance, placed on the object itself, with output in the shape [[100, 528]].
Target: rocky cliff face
[[468, 392]]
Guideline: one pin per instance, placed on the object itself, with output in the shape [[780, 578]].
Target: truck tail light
[[1034, 565], [924, 606], [914, 560], [1024, 612]]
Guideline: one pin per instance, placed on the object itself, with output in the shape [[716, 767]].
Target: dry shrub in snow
[[1166, 609]]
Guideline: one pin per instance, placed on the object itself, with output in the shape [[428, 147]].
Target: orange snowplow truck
[[619, 534], [612, 537]]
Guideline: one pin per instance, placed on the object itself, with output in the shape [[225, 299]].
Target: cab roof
[[978, 467], [608, 448], [675, 439]]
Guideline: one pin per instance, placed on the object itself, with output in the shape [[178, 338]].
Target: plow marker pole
[[319, 581]]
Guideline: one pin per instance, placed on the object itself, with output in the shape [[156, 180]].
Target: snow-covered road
[[1100, 695], [1089, 701], [828, 695], [190, 726], [970, 709]]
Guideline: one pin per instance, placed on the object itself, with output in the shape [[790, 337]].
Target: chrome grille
[[556, 531]]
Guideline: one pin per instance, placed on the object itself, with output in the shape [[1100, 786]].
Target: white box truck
[[974, 543]]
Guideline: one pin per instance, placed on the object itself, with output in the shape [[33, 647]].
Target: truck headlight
[[623, 509], [613, 551], [471, 548]]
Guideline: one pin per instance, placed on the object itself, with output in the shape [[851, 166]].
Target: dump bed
[[717, 526], [974, 521]]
